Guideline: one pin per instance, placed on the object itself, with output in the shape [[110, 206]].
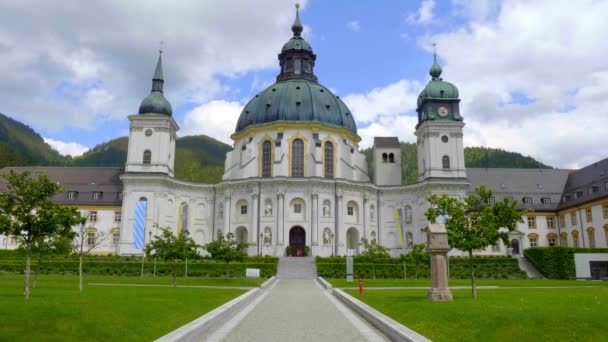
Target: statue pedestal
[[437, 246]]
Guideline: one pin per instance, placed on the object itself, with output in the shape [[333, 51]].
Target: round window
[[148, 132], [444, 138]]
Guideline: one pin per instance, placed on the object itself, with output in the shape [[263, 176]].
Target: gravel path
[[299, 310]]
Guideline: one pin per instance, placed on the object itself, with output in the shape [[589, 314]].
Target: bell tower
[[439, 129], [153, 132]]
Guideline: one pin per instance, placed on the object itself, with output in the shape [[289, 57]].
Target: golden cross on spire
[[161, 47]]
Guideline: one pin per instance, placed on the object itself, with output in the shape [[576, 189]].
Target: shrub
[[557, 262]]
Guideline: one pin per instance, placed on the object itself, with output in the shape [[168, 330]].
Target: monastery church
[[296, 177]]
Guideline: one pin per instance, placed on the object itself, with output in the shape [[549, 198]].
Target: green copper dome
[[437, 88], [156, 103], [296, 100], [296, 96]]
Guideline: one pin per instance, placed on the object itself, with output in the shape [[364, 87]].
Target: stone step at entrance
[[297, 268]]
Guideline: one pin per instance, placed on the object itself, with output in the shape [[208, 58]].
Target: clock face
[[442, 111]]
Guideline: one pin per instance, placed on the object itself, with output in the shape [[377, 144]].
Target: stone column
[[280, 217], [253, 226], [227, 210], [314, 210], [437, 246], [338, 221]]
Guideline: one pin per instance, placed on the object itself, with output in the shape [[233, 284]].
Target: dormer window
[[527, 200], [72, 194], [97, 195], [593, 189], [545, 200]]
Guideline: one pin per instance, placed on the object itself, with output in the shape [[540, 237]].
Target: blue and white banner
[[139, 226]]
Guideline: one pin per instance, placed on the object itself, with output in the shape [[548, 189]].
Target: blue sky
[[532, 77]]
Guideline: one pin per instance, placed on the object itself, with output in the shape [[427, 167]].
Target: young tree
[[373, 251], [476, 222], [226, 248], [419, 257], [28, 213], [85, 242], [57, 245], [170, 247]]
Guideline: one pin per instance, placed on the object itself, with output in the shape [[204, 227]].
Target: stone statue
[[325, 210], [268, 210], [267, 237], [326, 236]]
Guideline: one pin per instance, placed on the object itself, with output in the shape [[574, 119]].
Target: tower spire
[[297, 27], [436, 70], [158, 79]]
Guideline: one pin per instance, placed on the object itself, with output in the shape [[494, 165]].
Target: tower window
[[384, 157], [445, 161], [329, 160], [297, 158], [266, 159], [391, 158], [147, 157], [444, 139]]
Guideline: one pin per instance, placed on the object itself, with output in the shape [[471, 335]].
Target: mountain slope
[[21, 145], [473, 157], [198, 158]]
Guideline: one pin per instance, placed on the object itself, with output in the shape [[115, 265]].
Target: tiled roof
[[83, 180], [386, 142], [587, 184]]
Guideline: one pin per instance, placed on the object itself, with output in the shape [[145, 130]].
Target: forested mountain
[[201, 158]]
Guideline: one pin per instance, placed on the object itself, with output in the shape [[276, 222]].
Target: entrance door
[[599, 269], [515, 246], [297, 241]]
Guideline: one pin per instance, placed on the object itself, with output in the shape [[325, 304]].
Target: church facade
[[296, 176], [296, 180]]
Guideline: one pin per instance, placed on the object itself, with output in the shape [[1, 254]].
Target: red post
[[360, 287]]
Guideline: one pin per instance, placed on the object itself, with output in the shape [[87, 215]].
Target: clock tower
[[439, 129]]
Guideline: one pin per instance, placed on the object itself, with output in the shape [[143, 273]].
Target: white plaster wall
[[581, 262]]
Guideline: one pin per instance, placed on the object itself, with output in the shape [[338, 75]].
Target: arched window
[[147, 157], [591, 235], [563, 237], [267, 159], [575, 239], [384, 157], [329, 160], [297, 158], [391, 158], [446, 162], [552, 239]]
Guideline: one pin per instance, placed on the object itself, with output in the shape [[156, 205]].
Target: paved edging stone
[[204, 324], [392, 329]]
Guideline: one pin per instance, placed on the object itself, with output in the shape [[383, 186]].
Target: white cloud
[[216, 119], [424, 15], [393, 99], [532, 80], [66, 148], [354, 26], [107, 50], [477, 10]]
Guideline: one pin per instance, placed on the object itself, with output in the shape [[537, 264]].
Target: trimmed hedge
[[557, 262], [131, 265], [484, 267]]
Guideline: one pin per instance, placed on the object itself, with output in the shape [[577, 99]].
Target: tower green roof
[[437, 88], [156, 103]]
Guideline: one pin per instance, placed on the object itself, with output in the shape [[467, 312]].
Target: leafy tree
[[373, 251], [476, 222], [57, 245], [226, 248], [419, 257], [171, 247], [27, 213], [84, 244]]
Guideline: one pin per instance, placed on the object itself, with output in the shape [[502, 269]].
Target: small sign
[[349, 269], [252, 272]]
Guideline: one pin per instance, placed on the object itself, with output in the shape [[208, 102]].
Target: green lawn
[[341, 283], [57, 311], [524, 314]]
